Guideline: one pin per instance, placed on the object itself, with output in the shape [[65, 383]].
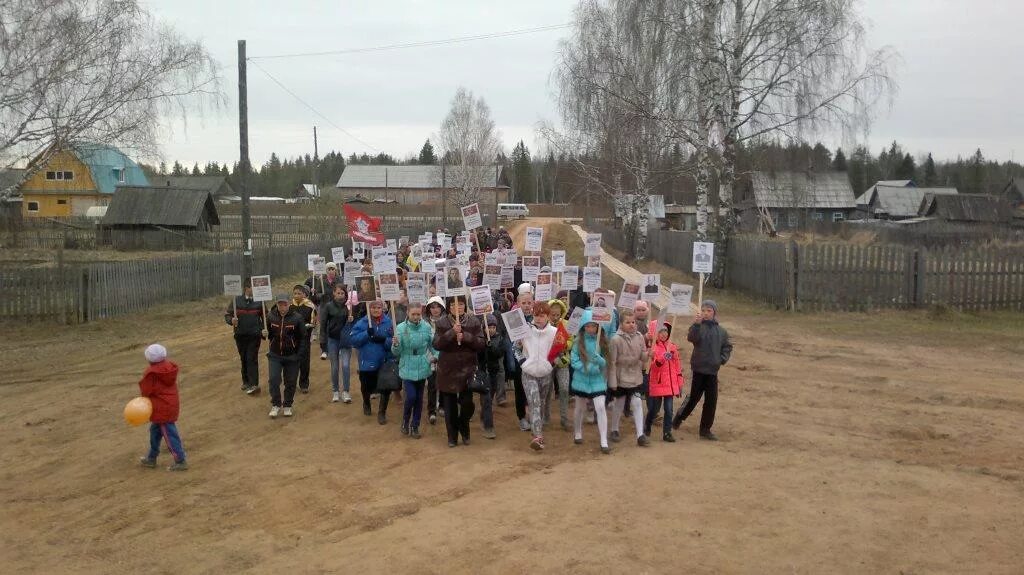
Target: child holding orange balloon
[[160, 384]]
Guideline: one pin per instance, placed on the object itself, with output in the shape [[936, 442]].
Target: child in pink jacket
[[666, 380]]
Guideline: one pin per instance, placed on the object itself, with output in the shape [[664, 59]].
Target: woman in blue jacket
[[589, 381], [412, 345], [372, 336]]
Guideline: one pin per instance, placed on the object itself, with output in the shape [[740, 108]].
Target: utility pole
[[316, 166], [243, 161]]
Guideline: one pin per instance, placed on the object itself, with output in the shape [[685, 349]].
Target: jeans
[[432, 393], [537, 389], [496, 379], [289, 367], [169, 433], [458, 409], [368, 387], [304, 365], [336, 352], [653, 404], [412, 407], [703, 384], [249, 354]]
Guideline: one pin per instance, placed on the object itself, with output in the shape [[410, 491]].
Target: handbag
[[479, 382], [388, 378]]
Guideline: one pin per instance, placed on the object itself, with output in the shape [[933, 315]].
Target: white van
[[513, 211]]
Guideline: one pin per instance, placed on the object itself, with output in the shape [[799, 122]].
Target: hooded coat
[[412, 346], [373, 343], [666, 374], [160, 384], [457, 363], [627, 356], [588, 378]]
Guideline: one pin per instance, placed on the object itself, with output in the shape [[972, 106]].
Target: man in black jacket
[[287, 332], [711, 350], [246, 317]]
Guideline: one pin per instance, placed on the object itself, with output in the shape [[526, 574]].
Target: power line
[[311, 108], [422, 44]]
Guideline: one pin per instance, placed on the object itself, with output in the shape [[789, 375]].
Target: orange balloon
[[138, 411]]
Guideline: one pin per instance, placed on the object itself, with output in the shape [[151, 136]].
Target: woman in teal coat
[[412, 345], [589, 381]]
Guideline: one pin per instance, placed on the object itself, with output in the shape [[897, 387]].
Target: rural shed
[[967, 208], [160, 218], [792, 199], [900, 202]]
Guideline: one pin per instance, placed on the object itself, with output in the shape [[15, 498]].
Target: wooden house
[[160, 218], [421, 184]]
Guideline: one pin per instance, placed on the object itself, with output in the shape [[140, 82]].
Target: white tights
[[635, 403], [602, 418]]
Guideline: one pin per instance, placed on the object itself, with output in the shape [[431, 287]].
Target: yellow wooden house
[[76, 179]]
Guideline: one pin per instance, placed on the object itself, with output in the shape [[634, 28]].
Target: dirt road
[[843, 451]]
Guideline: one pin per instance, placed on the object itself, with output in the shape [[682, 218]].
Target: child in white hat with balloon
[[160, 384]]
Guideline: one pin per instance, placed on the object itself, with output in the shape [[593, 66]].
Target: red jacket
[[666, 375], [160, 385]]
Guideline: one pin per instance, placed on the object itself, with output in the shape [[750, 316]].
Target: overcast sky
[[960, 78]]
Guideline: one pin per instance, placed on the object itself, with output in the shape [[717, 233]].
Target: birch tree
[[73, 71], [469, 142]]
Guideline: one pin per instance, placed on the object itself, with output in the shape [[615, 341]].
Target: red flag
[[363, 228], [558, 346]]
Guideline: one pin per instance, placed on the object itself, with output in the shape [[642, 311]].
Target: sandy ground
[[842, 451]]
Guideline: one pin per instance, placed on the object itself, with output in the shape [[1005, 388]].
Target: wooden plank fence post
[[920, 265], [793, 274]]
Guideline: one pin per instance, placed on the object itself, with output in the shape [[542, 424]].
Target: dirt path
[[841, 452]]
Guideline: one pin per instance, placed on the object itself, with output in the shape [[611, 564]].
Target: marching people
[[412, 345], [627, 356], [320, 290], [371, 336], [711, 350], [307, 309], [337, 330], [491, 360], [559, 312], [459, 338], [287, 332], [524, 302], [589, 381], [666, 381], [536, 369], [245, 316], [435, 310]]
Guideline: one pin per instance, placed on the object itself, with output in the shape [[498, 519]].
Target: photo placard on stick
[[545, 289], [358, 251], [492, 276], [591, 279], [311, 261], [350, 271], [570, 279], [338, 255], [515, 324], [233, 285], [416, 288], [365, 289], [703, 257], [403, 241], [574, 320], [261, 289], [531, 268], [481, 299], [602, 316], [392, 246], [630, 295], [390, 290], [320, 266], [471, 217], [557, 260], [439, 284], [602, 300], [508, 277], [454, 282], [594, 261], [652, 287], [679, 303], [592, 245], [534, 239]]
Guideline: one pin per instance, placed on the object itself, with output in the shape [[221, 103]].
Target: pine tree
[[195, 170], [427, 157], [907, 169], [931, 176], [977, 174], [178, 169], [839, 162], [524, 187]]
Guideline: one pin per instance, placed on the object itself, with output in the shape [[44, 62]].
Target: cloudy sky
[[960, 77]]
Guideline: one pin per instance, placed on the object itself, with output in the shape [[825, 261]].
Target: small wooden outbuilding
[[160, 218]]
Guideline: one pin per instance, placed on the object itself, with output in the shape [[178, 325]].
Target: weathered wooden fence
[[845, 277]]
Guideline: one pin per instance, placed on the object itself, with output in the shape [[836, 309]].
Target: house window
[[119, 172], [51, 175], [62, 202], [838, 216], [818, 216], [69, 175], [33, 206], [793, 220], [60, 175]]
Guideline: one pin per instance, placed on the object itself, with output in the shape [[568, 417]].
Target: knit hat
[[711, 304], [156, 353], [305, 290], [284, 297], [491, 320], [642, 305], [525, 287], [332, 265]]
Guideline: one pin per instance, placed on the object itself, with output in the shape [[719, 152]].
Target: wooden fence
[[843, 277]]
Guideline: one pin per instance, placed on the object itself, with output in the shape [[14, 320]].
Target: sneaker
[[432, 419], [178, 466], [606, 450], [577, 440], [642, 441], [304, 390], [323, 355], [404, 430], [147, 462], [615, 437], [668, 438], [524, 425], [335, 397], [252, 390], [708, 436], [274, 411], [537, 444], [465, 440], [415, 433], [373, 396], [489, 434], [346, 397], [382, 419], [287, 412]]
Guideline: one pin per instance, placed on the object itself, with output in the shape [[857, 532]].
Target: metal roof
[[104, 162], [803, 190], [865, 198], [902, 202], [418, 176], [160, 206], [966, 208]]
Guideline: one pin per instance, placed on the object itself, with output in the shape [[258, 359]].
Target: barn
[[160, 218]]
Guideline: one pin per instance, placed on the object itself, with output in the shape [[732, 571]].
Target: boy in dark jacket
[[287, 332], [711, 350], [492, 359], [246, 317], [302, 305], [160, 384]]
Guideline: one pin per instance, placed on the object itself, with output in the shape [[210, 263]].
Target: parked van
[[513, 211]]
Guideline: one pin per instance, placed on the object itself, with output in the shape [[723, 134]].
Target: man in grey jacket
[[711, 350]]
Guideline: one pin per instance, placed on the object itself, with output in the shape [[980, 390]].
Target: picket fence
[[845, 277]]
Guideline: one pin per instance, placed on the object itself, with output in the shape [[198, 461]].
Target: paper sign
[[591, 279], [429, 264], [390, 290], [602, 300], [515, 324], [311, 261], [439, 288], [679, 303], [557, 260], [544, 290], [574, 320], [320, 266], [350, 273], [592, 245], [403, 241], [455, 282], [481, 298], [602, 316], [594, 261], [652, 287], [337, 255], [534, 239], [508, 277], [365, 289], [382, 261], [261, 288], [630, 295], [570, 278], [358, 251], [416, 288], [531, 268], [703, 257], [492, 276], [233, 285], [492, 259], [391, 245], [471, 217]]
